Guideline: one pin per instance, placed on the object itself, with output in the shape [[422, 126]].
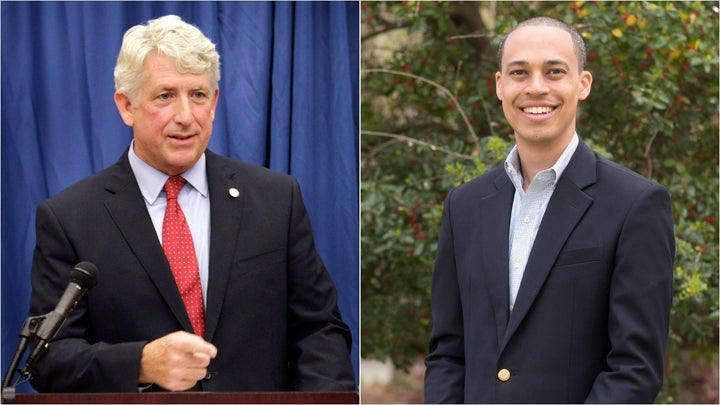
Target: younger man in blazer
[[553, 277]]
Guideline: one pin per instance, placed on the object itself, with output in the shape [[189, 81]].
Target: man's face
[[540, 85], [172, 119]]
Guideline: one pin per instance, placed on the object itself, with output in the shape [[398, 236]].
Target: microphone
[[83, 277]]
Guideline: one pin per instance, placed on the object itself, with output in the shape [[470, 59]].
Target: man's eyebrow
[[557, 62], [517, 63], [163, 89]]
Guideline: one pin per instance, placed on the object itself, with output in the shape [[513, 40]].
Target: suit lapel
[[495, 215], [227, 197], [567, 206], [127, 209]]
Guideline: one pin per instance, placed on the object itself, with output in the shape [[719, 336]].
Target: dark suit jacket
[[590, 322], [271, 308]]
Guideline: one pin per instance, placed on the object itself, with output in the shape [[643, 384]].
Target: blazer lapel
[[127, 209], [495, 216], [567, 206], [227, 197]]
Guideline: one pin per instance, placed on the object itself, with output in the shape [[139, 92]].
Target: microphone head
[[85, 274]]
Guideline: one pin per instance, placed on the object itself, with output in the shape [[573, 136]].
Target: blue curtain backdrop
[[288, 101]]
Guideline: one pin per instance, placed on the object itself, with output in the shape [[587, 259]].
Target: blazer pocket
[[263, 259], [578, 256], [260, 263]]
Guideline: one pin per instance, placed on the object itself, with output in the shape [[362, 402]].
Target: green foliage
[[396, 308], [431, 121]]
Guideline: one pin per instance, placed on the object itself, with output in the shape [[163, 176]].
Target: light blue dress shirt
[[528, 210], [194, 200]]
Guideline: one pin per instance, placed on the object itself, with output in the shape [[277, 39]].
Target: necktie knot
[[173, 185]]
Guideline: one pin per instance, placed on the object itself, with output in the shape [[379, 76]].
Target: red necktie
[[180, 252]]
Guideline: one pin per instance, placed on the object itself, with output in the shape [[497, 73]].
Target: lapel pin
[[234, 193]]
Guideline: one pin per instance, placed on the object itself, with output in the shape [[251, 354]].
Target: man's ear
[[498, 85], [125, 108], [585, 84], [216, 96]]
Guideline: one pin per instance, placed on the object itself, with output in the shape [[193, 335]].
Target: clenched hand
[[176, 361]]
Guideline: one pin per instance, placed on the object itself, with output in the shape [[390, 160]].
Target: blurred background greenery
[[431, 120]]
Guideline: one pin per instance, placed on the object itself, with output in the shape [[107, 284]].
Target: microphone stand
[[29, 331]]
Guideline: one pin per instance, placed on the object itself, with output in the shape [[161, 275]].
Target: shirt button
[[526, 220], [503, 375]]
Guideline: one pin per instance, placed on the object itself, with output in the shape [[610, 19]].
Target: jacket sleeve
[[319, 341], [71, 363], [640, 297], [445, 363]]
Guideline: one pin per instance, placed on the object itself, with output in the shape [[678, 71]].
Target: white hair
[[169, 36]]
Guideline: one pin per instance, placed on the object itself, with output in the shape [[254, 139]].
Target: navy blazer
[[591, 318], [271, 307]]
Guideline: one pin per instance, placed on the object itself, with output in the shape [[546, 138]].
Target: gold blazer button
[[504, 375]]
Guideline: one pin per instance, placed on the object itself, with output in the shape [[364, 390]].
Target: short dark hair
[[578, 43]]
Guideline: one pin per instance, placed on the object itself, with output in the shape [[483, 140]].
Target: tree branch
[[412, 141], [442, 89]]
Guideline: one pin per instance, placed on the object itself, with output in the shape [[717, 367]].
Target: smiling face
[[173, 115], [540, 85]]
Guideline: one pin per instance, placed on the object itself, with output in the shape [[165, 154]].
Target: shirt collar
[[151, 181], [512, 163]]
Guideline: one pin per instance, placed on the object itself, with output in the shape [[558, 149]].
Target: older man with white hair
[[209, 277]]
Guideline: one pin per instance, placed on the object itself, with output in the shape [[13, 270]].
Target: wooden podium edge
[[350, 397]]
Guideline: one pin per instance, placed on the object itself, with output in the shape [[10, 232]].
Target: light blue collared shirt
[[529, 208], [194, 200]]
